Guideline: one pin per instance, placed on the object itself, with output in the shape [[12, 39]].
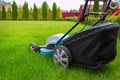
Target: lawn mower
[[91, 48]]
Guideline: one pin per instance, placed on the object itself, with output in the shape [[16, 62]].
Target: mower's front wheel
[[33, 47], [62, 56]]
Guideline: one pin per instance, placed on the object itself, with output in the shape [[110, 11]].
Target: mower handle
[[82, 17]]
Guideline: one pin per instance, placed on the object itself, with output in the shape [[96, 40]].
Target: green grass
[[17, 62]]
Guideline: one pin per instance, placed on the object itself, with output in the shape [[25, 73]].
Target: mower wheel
[[62, 56], [33, 47]]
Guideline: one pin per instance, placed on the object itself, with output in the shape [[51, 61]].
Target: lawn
[[17, 62]]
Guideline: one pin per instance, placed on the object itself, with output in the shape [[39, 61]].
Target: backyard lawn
[[17, 62]]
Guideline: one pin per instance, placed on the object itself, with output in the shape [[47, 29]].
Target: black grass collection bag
[[94, 47]]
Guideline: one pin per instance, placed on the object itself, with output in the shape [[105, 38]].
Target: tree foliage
[[30, 16], [3, 13], [14, 11], [96, 7], [44, 10], [39, 14], [25, 11], [54, 11], [59, 14], [9, 14], [49, 15], [0, 15], [19, 17], [35, 12]]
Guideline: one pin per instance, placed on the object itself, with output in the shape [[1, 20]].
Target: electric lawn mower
[[92, 48]]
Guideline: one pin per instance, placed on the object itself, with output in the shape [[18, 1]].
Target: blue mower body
[[55, 39]]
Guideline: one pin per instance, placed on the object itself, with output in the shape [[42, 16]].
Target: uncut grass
[[17, 62]]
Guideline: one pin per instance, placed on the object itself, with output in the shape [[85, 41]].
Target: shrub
[[114, 19], [69, 19], [54, 11], [3, 13], [44, 10], [96, 7], [14, 11], [59, 14], [39, 14], [0, 15], [9, 14], [25, 11], [35, 12], [117, 19]]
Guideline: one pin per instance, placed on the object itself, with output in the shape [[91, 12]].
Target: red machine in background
[[117, 11]]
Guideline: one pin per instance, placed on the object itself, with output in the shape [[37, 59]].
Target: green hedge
[[113, 19], [69, 19]]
